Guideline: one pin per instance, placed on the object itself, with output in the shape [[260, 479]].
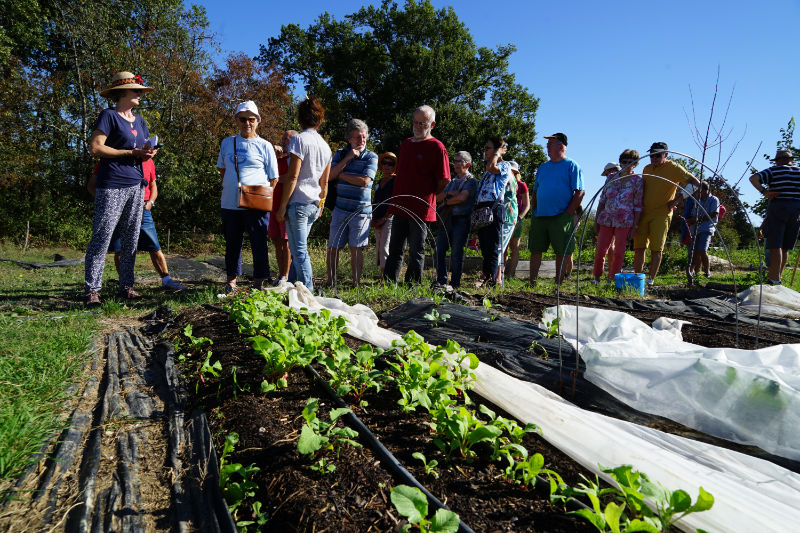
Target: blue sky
[[611, 75]]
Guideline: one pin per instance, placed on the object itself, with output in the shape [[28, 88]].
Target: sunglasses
[[244, 120], [388, 163], [136, 91]]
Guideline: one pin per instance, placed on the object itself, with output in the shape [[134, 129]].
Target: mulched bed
[[356, 496]]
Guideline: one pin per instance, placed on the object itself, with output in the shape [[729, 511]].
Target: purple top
[[120, 172], [620, 201]]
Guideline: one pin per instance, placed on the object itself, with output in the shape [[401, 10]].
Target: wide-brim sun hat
[[783, 154], [125, 80], [249, 105], [390, 155]]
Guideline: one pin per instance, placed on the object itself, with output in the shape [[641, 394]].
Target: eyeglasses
[[388, 162], [244, 120], [458, 161]]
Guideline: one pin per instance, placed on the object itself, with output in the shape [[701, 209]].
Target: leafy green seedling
[[411, 503], [435, 317], [552, 328], [430, 466], [487, 305], [318, 434]]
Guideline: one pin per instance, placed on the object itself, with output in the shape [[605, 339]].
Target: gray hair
[[355, 124], [430, 114], [464, 155]]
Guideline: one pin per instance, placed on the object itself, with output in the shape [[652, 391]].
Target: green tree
[[58, 56], [380, 63]]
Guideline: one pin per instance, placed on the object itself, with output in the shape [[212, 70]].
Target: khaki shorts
[[653, 231]]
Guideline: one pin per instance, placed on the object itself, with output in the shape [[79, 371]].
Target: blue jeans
[[299, 218], [454, 236]]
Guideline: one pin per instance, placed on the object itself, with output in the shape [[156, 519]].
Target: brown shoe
[[91, 298], [128, 293]]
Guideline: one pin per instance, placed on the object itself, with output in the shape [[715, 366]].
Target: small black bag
[[482, 215]]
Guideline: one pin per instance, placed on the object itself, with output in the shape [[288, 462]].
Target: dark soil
[[356, 496]]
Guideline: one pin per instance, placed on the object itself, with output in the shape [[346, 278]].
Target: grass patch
[[42, 357]]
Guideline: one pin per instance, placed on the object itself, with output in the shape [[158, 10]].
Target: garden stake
[[796, 259]]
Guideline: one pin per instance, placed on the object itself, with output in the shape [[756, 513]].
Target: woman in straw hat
[[120, 141]]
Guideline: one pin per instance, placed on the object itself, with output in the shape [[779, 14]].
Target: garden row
[[492, 472]]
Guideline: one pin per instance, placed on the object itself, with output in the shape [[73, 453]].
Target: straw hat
[[783, 154], [125, 80]]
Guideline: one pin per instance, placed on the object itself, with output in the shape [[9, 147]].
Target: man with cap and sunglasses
[[780, 183], [661, 180], [557, 194]]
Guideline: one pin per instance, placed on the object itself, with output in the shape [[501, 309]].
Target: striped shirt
[[784, 179], [353, 198]]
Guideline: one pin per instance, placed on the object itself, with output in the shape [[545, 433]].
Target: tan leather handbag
[[256, 197]]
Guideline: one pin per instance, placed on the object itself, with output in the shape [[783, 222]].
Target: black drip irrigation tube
[[390, 462], [386, 457]]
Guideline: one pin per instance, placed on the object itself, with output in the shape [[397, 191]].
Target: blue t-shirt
[[352, 198], [120, 172], [467, 183], [555, 185], [710, 205], [257, 165], [492, 185]]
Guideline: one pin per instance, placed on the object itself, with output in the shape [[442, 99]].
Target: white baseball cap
[[247, 106]]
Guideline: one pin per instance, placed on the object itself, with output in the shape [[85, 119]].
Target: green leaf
[[612, 513], [680, 501], [641, 525], [336, 413], [592, 518], [705, 501], [483, 433], [444, 521], [410, 502], [309, 442]]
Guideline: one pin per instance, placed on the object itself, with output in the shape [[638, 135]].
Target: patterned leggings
[[112, 207]]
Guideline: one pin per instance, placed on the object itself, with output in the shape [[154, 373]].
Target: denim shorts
[[349, 228], [702, 243], [148, 238]]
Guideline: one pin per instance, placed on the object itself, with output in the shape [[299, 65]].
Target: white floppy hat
[[247, 106], [611, 166]]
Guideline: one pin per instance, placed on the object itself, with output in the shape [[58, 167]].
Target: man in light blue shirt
[[557, 194]]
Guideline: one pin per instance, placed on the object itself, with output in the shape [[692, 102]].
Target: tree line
[[377, 64]]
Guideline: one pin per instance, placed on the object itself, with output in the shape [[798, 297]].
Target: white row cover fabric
[[750, 494], [776, 300], [746, 396]]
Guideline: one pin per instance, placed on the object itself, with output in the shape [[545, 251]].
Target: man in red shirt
[[423, 170]]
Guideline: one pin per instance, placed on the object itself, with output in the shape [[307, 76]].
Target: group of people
[[417, 190]]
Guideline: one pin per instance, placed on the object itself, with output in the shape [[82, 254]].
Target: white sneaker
[[278, 280], [650, 282], [173, 285]]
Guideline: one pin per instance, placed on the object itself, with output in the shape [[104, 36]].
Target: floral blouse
[[620, 201]]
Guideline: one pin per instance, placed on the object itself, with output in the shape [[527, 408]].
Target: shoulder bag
[[484, 213], [256, 197]]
